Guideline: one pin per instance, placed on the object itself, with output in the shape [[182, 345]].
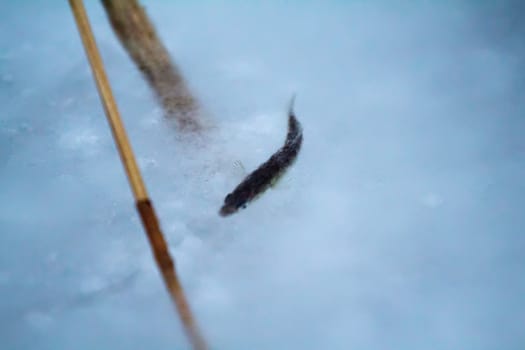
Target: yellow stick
[[143, 203]]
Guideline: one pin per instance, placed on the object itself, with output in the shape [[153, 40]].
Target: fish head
[[232, 204]]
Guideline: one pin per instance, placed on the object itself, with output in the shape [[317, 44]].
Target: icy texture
[[400, 226]]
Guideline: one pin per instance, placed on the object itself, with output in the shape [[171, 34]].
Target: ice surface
[[400, 225]]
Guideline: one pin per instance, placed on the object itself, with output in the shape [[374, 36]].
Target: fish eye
[[228, 197], [243, 206]]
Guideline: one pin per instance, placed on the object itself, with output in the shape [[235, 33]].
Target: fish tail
[[291, 106], [294, 127]]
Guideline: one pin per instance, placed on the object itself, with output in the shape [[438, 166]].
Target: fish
[[268, 173]]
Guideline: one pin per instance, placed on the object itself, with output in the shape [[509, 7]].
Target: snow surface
[[399, 227]]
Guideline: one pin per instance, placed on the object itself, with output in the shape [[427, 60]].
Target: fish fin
[[280, 183], [240, 169]]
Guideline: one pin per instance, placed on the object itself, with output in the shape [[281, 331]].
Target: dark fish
[[268, 173]]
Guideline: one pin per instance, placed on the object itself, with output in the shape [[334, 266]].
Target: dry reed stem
[[137, 34], [145, 208]]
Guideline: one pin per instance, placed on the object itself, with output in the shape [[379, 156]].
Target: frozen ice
[[400, 225]]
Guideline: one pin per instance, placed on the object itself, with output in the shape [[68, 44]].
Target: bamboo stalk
[[137, 34], [143, 203]]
